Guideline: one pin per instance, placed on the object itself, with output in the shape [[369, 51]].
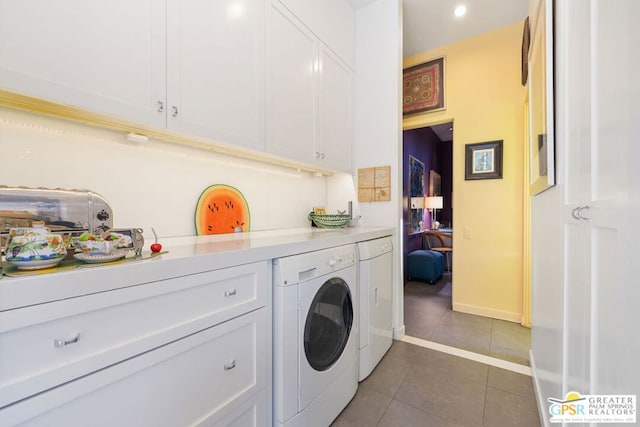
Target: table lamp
[[433, 203]]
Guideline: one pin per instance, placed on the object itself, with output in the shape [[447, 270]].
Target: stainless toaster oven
[[75, 211]]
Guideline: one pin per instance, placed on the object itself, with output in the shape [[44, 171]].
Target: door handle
[[577, 213], [580, 211], [574, 214]]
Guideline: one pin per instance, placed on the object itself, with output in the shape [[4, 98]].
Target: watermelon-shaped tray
[[222, 209]]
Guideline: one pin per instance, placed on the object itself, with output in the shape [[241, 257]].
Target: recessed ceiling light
[[460, 10]]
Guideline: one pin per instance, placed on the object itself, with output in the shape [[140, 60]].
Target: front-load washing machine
[[375, 288], [315, 336]]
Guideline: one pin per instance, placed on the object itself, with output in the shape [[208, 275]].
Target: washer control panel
[[306, 266]]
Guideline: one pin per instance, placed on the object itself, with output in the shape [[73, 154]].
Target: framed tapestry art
[[423, 87]]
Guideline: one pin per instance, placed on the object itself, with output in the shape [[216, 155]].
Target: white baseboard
[[398, 333], [488, 312], [540, 400], [454, 351]]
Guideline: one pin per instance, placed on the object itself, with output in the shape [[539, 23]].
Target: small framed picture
[[483, 160]]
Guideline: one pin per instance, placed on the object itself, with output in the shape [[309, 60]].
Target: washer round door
[[328, 324]]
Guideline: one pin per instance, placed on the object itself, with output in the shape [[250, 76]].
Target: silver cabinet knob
[[58, 343], [229, 366], [230, 293], [174, 111], [160, 106]]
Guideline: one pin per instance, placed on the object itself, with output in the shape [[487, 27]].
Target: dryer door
[[328, 325]]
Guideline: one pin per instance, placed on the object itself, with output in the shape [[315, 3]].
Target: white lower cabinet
[[197, 380], [194, 350]]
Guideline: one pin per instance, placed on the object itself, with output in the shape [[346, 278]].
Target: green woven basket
[[329, 221]]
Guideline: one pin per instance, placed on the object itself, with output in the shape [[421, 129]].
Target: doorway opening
[[428, 172], [428, 311]]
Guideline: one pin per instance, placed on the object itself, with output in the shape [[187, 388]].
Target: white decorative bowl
[[32, 248], [96, 246]]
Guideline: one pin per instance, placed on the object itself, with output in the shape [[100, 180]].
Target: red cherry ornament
[[155, 247]]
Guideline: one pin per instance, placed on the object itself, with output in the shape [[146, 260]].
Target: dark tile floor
[[416, 386], [428, 315]]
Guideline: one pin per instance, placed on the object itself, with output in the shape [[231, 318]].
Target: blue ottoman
[[425, 265]]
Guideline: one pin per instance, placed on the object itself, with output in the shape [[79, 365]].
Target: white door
[[102, 57], [597, 63], [215, 70]]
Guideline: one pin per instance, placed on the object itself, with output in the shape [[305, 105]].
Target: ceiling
[[444, 131], [430, 23]]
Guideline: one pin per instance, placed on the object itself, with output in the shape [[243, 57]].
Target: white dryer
[[315, 336], [376, 309]]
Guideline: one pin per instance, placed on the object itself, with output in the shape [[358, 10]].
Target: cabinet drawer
[[214, 377], [84, 334]]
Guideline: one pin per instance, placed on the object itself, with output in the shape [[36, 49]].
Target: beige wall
[[484, 98]]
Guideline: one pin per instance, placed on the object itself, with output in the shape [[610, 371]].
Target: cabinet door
[[217, 376], [98, 330], [333, 21], [334, 112], [290, 87], [215, 70], [103, 57]]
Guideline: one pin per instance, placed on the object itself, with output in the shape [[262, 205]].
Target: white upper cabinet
[[267, 75], [291, 93], [332, 21], [334, 112], [103, 57], [309, 89], [215, 70], [194, 67]]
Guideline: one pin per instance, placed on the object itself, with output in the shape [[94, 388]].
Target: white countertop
[[186, 255]]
